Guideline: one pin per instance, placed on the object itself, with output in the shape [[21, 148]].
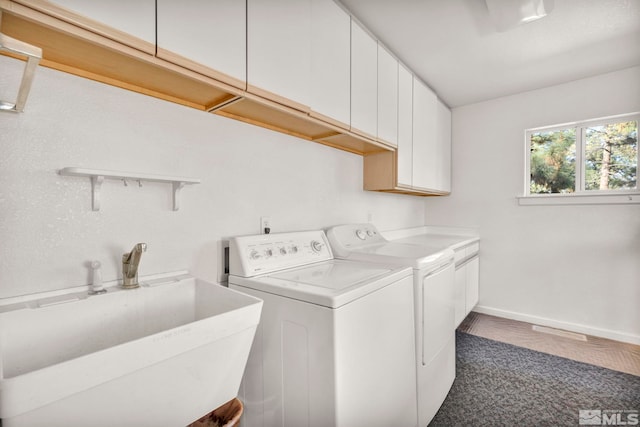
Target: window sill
[[579, 199]]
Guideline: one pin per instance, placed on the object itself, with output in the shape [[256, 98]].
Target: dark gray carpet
[[499, 384]]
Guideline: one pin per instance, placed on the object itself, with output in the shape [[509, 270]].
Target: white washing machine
[[335, 344], [433, 272]]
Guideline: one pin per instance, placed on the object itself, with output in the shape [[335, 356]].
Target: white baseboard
[[567, 326]]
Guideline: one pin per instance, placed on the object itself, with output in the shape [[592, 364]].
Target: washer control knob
[[294, 249], [370, 232], [269, 252], [361, 234], [254, 254], [283, 251], [316, 246]]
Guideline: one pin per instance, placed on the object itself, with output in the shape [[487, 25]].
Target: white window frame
[[581, 195]]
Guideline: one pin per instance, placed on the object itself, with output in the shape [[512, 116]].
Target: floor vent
[[559, 332]]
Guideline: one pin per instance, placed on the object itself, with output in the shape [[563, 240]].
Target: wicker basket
[[226, 415]]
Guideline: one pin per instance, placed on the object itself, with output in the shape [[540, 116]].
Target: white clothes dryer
[[335, 344], [466, 249], [433, 280]]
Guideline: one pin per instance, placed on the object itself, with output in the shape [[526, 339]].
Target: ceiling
[[453, 46]]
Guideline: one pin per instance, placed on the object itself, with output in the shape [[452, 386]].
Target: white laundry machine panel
[[336, 341], [435, 336], [436, 311], [433, 279]]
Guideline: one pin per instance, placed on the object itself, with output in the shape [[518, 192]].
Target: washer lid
[[330, 283]]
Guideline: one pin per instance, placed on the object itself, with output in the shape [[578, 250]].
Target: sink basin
[[164, 354]]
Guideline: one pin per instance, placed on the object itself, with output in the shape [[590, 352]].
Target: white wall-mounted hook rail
[[98, 176], [34, 55]]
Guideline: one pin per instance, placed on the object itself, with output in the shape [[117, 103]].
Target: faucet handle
[[138, 248]]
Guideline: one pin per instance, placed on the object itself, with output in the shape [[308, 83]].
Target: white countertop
[[439, 237]]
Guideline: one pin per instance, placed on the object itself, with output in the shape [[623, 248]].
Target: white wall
[[48, 231], [575, 267]]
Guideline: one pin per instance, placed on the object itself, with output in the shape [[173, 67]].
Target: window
[[597, 157]]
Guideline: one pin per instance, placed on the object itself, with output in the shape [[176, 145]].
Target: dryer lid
[[415, 256], [363, 242]]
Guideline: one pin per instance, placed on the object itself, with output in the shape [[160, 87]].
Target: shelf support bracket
[[33, 55], [96, 185], [177, 187]]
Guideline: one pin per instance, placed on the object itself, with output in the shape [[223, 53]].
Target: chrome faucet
[[130, 262]]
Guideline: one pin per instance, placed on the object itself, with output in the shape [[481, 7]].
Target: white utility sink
[[164, 354]]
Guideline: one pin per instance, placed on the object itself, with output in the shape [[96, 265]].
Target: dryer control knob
[[361, 234], [316, 246], [254, 254]]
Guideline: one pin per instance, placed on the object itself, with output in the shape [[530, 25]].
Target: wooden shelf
[[72, 46]]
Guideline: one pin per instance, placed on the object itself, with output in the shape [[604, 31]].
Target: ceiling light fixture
[[508, 14]]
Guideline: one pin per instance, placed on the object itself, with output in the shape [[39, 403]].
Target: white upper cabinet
[[208, 33], [421, 163], [443, 154], [387, 97], [134, 17], [404, 151], [279, 50], [425, 163], [364, 82], [330, 62]]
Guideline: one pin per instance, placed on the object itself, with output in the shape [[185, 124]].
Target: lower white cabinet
[[472, 284], [460, 295], [467, 279]]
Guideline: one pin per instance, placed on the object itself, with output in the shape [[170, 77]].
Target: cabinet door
[[364, 82], [460, 291], [330, 61], [211, 33], [387, 97], [443, 147], [134, 17], [404, 151], [425, 162], [279, 50], [472, 284]]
